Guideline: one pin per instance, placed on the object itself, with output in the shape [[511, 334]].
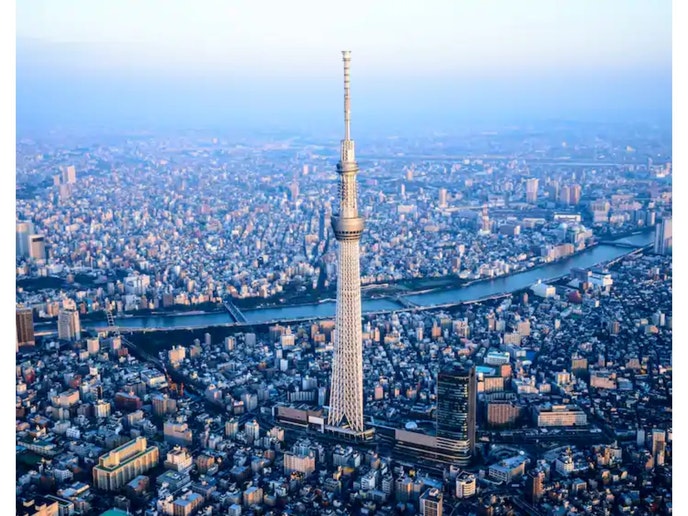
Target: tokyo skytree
[[346, 398]]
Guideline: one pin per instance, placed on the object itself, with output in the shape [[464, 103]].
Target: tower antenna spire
[[346, 57]]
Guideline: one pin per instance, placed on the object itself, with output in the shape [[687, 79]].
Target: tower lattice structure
[[346, 398]]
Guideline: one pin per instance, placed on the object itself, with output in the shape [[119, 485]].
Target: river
[[479, 290]]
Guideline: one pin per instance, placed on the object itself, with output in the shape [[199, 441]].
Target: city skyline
[[216, 313]]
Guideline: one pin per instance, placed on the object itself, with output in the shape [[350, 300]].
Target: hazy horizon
[[132, 65]]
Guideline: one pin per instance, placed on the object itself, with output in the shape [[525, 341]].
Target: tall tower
[[456, 413], [25, 333], [346, 398], [663, 240], [531, 190], [24, 231], [68, 325]]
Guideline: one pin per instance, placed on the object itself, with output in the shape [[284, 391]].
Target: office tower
[[37, 247], [25, 334], [431, 502], [531, 190], [456, 412], [553, 190], [565, 195], [443, 198], [68, 325], [69, 175], [119, 466], [346, 399], [535, 485], [485, 225], [574, 194], [663, 236], [24, 231]]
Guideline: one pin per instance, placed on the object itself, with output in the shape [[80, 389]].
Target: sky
[[242, 63]]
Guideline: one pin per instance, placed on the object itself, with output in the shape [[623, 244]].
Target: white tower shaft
[[346, 398]]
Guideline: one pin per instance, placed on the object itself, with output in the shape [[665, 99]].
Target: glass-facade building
[[456, 412]]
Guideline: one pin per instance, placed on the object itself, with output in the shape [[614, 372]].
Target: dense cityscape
[[475, 322], [571, 379]]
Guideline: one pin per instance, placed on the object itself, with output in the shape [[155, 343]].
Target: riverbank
[[435, 298]]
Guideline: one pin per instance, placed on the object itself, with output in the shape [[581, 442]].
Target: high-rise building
[[658, 440], [531, 190], [579, 364], [68, 325], [663, 236], [64, 192], [485, 225], [553, 190], [575, 194], [252, 430], [24, 230], [101, 409], [346, 398], [163, 404], [37, 247], [25, 335], [502, 413], [93, 346], [119, 466], [431, 502], [650, 218], [69, 175], [456, 412], [443, 198], [535, 485], [253, 496], [300, 462]]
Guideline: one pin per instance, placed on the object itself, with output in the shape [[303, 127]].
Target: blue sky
[[277, 62]]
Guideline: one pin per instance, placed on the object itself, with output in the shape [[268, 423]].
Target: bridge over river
[[601, 254]]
